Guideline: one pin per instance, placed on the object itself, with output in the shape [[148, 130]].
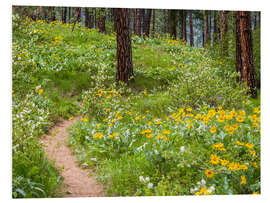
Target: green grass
[[71, 67]]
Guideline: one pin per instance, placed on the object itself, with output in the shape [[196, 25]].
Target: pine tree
[[124, 51]]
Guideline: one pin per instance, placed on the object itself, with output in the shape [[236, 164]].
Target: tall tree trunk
[[207, 37], [238, 61], [210, 26], [77, 16], [137, 22], [69, 14], [43, 12], [124, 52], [181, 14], [191, 28], [95, 17], [185, 26], [114, 18], [65, 15], [172, 23], [247, 52], [86, 13], [203, 31], [146, 22], [52, 14], [223, 32], [91, 18], [153, 23], [101, 20], [215, 27]]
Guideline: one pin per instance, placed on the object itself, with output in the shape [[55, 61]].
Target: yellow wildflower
[[84, 119], [214, 159], [166, 132], [158, 122], [70, 118], [252, 152], [149, 135], [213, 129], [224, 162], [98, 135], [209, 173], [243, 180], [240, 119], [40, 91], [159, 136], [249, 145], [165, 137]]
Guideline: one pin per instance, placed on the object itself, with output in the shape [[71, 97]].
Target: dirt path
[[76, 179]]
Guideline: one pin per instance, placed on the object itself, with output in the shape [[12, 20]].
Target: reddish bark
[[247, 58], [124, 52]]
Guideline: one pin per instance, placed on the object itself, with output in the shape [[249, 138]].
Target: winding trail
[[77, 181]]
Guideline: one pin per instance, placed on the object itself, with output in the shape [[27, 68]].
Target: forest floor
[[77, 182], [182, 125]]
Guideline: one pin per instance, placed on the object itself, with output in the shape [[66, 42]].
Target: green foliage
[[52, 65]]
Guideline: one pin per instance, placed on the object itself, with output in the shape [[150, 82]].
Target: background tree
[[101, 20], [124, 52], [215, 27], [238, 61], [207, 34], [146, 22], [185, 26], [172, 23], [191, 29], [246, 52], [223, 32], [137, 22], [153, 23]]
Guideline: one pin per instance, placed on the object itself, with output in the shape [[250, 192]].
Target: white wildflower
[[150, 185], [182, 149], [147, 179], [141, 178]]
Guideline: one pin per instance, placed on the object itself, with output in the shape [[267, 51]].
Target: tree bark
[[153, 23], [215, 27], [137, 22], [223, 32], [86, 13], [207, 37], [172, 23], [124, 52], [191, 28], [146, 22], [101, 20], [77, 17], [238, 61], [185, 26], [247, 58]]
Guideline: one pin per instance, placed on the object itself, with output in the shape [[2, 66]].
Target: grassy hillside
[[181, 126]]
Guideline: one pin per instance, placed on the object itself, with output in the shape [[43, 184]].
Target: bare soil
[[77, 182]]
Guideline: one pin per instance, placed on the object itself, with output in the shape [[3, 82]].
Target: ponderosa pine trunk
[[146, 22], [86, 13], [207, 35], [172, 23], [185, 26], [238, 60], [101, 20], [124, 51], [137, 22], [153, 23], [191, 28], [223, 32], [91, 18], [247, 58], [215, 27]]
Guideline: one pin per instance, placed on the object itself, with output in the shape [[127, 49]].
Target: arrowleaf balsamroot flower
[[209, 173]]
